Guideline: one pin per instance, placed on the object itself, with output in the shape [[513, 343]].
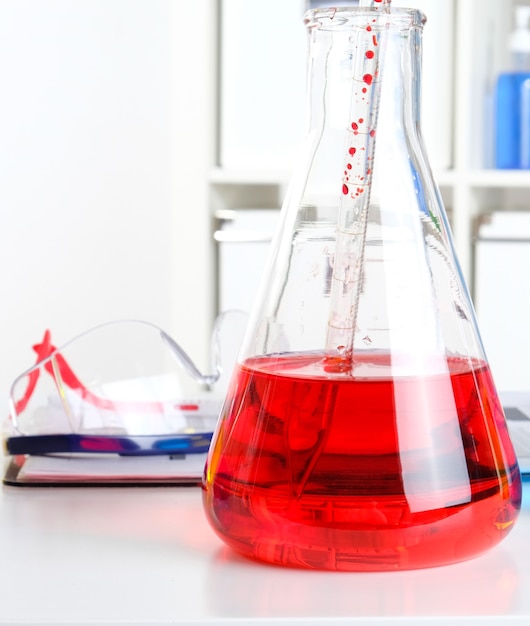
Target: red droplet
[[369, 54], [345, 189], [368, 28], [364, 90], [372, 133], [349, 166], [368, 78], [374, 40], [361, 120], [352, 151], [354, 126]]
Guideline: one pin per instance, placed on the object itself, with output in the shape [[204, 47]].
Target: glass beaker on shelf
[[362, 429]]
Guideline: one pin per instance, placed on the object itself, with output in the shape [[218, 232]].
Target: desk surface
[[147, 556]]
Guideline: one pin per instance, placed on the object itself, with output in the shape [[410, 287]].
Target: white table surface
[[148, 556]]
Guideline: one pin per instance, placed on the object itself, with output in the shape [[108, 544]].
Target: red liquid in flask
[[357, 473]]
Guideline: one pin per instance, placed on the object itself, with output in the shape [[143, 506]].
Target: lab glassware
[[362, 429]]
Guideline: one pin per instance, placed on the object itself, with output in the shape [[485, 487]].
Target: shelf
[[498, 178], [445, 178]]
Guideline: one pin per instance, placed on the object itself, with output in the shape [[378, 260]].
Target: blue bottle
[[512, 101]]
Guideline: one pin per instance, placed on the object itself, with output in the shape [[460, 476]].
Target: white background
[[105, 132]]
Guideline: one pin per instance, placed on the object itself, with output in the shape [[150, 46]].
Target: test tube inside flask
[[368, 50]]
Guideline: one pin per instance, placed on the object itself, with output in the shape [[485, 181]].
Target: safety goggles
[[123, 388]]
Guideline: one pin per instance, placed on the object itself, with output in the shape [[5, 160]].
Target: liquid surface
[[357, 472]]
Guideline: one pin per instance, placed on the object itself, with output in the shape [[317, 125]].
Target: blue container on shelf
[[512, 117], [512, 101]]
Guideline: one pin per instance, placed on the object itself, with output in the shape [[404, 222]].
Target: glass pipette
[[368, 54]]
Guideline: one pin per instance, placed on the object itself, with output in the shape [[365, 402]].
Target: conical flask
[[362, 429]]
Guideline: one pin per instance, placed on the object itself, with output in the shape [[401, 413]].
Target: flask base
[[352, 534], [355, 473]]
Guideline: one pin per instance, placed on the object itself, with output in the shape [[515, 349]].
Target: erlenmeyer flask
[[362, 429]]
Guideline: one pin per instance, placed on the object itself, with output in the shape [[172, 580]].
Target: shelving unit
[[473, 51]]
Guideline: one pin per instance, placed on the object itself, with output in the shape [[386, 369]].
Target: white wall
[[106, 113]]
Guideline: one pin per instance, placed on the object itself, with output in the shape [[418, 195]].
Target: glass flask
[[362, 429]]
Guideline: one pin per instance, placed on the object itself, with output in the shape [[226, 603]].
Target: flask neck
[[339, 45]]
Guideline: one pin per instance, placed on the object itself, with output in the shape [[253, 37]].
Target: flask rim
[[345, 18]]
